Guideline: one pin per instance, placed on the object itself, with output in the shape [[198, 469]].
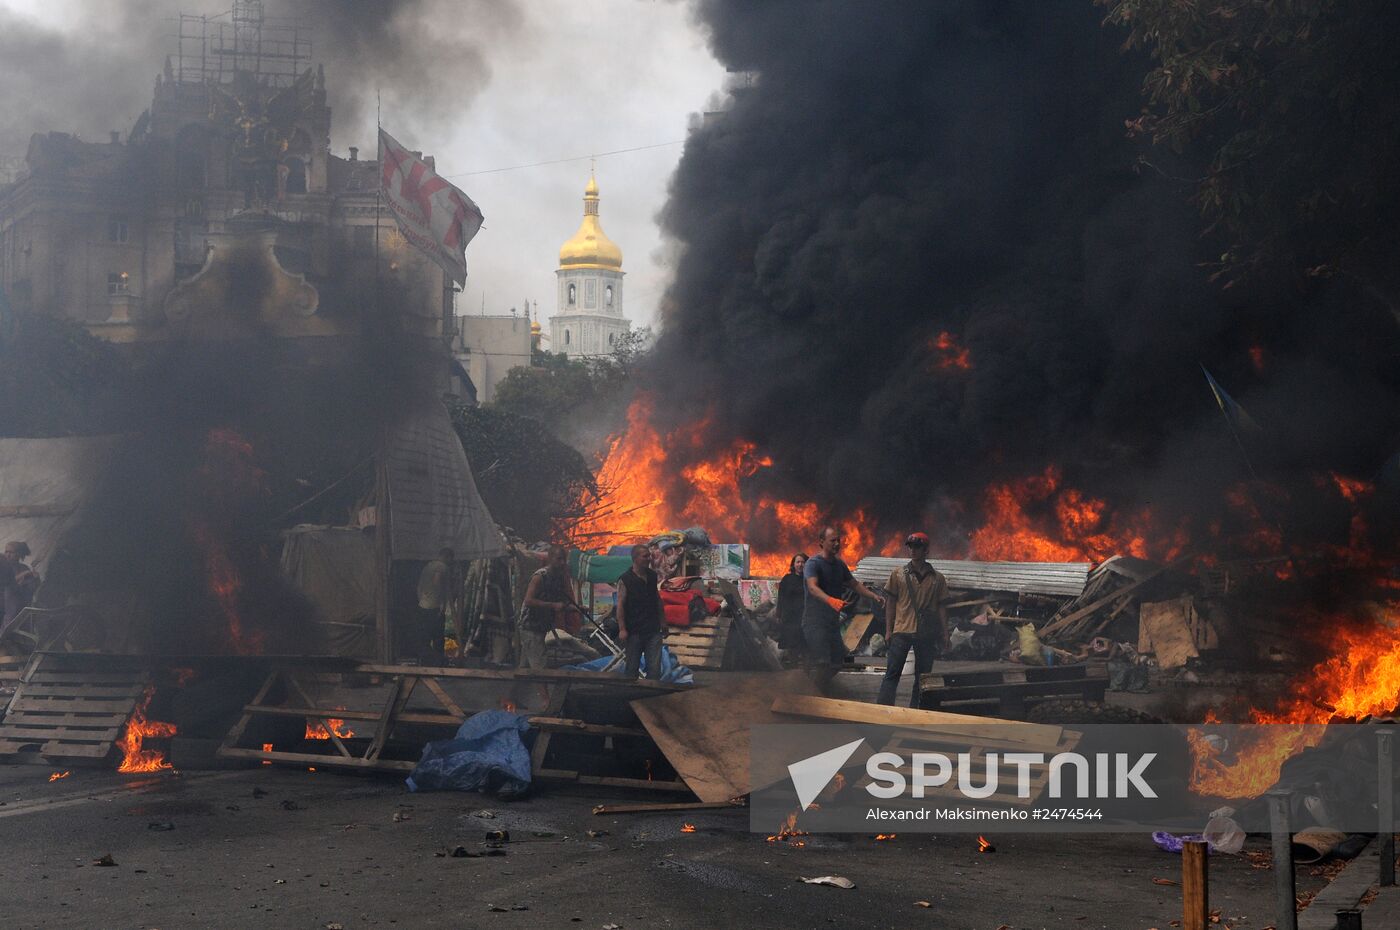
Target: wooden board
[[700, 645], [1171, 629], [704, 733], [965, 725], [855, 631], [70, 707]]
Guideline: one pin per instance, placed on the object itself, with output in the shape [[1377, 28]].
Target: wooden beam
[[668, 807], [966, 726]]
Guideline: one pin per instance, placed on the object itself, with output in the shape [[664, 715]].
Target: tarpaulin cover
[[487, 754], [433, 500], [672, 672], [44, 484], [334, 567], [602, 569]]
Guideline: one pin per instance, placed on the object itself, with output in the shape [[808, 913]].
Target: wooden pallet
[[284, 694], [1007, 692], [11, 668], [700, 645], [70, 707]]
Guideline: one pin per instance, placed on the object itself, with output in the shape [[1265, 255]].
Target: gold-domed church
[[589, 321]]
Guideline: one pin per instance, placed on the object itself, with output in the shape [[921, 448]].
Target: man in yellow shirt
[[915, 618]]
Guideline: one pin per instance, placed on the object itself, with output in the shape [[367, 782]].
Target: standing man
[[828, 580], [547, 598], [639, 615], [17, 580], [437, 593], [915, 618]]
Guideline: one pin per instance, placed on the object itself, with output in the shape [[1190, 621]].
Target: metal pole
[[1385, 801], [1285, 898]]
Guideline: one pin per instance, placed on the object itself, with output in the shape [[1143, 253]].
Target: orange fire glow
[[57, 775], [1256, 358], [138, 728], [316, 731], [687, 828], [789, 833], [949, 354], [885, 836], [1037, 519], [643, 496], [984, 845], [226, 585]]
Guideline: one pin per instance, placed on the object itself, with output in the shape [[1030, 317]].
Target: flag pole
[[1230, 423]]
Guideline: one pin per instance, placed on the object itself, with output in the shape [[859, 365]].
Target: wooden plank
[[1093, 606], [565, 775], [855, 631], [310, 758], [97, 692], [443, 697], [970, 727], [78, 705], [664, 807], [104, 737], [704, 733], [565, 725], [541, 675], [56, 750]]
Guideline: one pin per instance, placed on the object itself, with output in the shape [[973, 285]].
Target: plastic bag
[[1032, 652], [1223, 834]]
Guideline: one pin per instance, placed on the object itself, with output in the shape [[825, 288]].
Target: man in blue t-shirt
[[828, 580]]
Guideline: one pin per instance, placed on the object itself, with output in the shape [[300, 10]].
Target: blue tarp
[[488, 753], [672, 672]]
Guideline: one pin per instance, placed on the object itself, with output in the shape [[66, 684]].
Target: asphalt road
[[273, 847]]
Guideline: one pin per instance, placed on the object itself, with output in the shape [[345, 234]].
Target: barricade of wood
[[1010, 691], [70, 707], [587, 733]]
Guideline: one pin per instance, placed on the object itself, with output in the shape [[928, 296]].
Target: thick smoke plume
[[96, 76], [918, 261]]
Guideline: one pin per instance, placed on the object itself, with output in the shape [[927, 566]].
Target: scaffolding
[[213, 49]]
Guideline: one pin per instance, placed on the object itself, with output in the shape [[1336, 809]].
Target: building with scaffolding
[[228, 177]]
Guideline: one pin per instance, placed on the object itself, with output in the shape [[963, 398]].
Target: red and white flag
[[432, 214]]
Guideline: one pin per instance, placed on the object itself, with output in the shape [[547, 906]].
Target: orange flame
[[949, 353], [1035, 519], [885, 836], [338, 727], [138, 728], [267, 747], [789, 833], [644, 495], [984, 845], [57, 775], [687, 828]]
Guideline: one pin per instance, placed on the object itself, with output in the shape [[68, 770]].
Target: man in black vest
[[639, 615]]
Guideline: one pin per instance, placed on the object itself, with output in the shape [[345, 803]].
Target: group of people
[[812, 595], [549, 604]]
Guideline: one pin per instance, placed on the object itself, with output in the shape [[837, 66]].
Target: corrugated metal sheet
[[1062, 579]]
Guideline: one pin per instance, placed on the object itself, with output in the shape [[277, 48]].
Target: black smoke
[[95, 74], [900, 170]]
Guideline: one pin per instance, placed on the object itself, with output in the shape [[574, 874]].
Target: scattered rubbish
[[984, 845], [612, 926], [835, 881], [461, 852], [595, 834], [400, 816], [484, 814], [498, 836], [335, 926], [161, 825], [106, 860], [279, 881], [923, 904], [1165, 881], [1222, 832], [497, 908]]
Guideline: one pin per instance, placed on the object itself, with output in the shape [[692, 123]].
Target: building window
[[118, 282], [608, 296], [566, 332], [573, 295], [590, 294], [610, 338], [117, 229]]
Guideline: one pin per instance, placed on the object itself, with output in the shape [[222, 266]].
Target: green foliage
[[530, 480], [1288, 107], [561, 392], [57, 379]]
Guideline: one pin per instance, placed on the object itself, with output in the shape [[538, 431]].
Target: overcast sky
[[560, 80]]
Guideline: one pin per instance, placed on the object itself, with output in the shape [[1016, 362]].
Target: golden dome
[[590, 247], [535, 328]]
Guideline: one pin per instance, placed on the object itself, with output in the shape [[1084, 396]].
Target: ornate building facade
[[590, 317], [228, 178]]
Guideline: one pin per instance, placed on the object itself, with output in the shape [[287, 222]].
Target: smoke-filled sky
[[481, 84], [907, 169]]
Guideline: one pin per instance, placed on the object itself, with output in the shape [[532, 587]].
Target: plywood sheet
[[704, 732]]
